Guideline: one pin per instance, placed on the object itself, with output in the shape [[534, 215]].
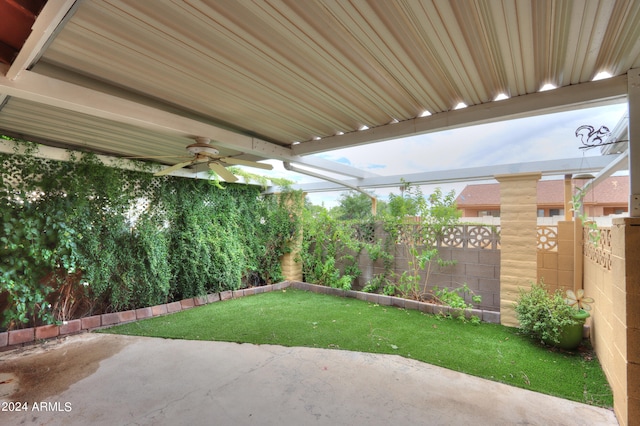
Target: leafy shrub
[[328, 241], [377, 282], [455, 298], [543, 315], [118, 239]]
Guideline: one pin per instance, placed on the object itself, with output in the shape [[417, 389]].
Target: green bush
[[327, 242], [121, 239], [543, 315]]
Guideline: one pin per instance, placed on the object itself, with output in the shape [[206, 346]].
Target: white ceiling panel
[[285, 71]]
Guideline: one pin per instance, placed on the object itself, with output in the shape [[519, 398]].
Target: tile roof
[[614, 190]]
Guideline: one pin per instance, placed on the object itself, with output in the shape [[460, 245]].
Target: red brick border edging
[[25, 336]]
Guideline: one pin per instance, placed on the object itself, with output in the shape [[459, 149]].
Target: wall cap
[[518, 176]]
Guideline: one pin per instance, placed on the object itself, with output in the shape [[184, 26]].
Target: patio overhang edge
[[584, 95], [547, 168]]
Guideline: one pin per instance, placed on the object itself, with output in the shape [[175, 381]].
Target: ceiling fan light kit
[[199, 148]]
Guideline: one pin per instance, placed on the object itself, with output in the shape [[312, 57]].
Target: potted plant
[[571, 335], [551, 317]]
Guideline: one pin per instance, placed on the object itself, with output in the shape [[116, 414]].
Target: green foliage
[[259, 179], [354, 206], [455, 298], [442, 211], [79, 236], [543, 315], [327, 241], [417, 236], [592, 226], [377, 282], [413, 223], [401, 206], [389, 289]]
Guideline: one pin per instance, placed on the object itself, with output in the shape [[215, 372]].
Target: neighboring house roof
[[613, 191], [484, 194]]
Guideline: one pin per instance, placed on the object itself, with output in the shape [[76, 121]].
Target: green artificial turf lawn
[[299, 318]]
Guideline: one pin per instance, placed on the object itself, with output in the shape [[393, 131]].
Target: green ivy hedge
[[79, 238]]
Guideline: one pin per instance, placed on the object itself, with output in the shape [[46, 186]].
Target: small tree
[[416, 222], [356, 206]]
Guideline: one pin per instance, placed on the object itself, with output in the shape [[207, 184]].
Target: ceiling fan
[[203, 152]]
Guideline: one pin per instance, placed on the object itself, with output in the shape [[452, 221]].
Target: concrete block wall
[[615, 316], [556, 267], [629, 296], [598, 283], [478, 268]]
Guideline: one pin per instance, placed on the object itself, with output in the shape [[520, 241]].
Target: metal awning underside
[[284, 79]]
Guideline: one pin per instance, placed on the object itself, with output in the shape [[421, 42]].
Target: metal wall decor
[[592, 138]]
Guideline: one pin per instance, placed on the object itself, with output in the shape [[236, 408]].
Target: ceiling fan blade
[[172, 168], [239, 162], [224, 173]]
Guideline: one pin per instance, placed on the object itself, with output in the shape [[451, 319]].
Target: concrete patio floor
[[99, 379]]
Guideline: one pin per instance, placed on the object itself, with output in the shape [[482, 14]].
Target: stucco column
[[633, 101], [290, 262], [518, 239], [568, 198]]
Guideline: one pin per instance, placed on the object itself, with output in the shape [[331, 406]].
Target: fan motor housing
[[202, 148]]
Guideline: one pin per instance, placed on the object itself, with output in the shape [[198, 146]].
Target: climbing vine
[[330, 249], [79, 238]]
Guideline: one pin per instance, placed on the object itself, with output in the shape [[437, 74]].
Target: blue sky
[[545, 137]]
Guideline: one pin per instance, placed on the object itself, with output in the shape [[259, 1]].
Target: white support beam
[[547, 168], [585, 95], [60, 94], [48, 20], [291, 168], [634, 142], [619, 164], [333, 167], [59, 154], [56, 93]]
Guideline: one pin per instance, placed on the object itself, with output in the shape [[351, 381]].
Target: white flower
[[262, 221], [84, 283]]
